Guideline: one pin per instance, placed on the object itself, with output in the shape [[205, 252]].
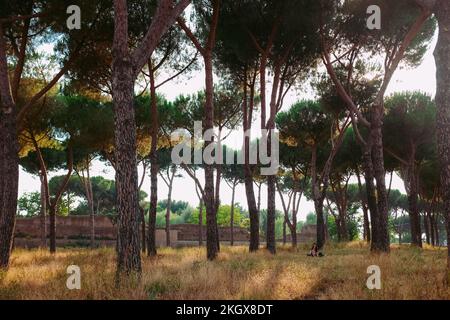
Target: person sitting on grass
[[314, 252]]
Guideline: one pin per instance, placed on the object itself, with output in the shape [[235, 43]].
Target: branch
[[178, 73], [191, 36], [164, 18]]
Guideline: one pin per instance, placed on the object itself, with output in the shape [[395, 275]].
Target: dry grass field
[[185, 274]]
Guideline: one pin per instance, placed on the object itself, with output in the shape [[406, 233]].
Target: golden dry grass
[[185, 274]]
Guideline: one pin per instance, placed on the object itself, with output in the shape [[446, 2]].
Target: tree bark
[[91, 206], [442, 54], [9, 182], [200, 224], [128, 246], [366, 223], [381, 242], [210, 204], [154, 167], [232, 215], [143, 230], [54, 202], [43, 213], [169, 207]]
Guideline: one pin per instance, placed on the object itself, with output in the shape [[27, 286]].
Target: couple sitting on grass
[[314, 252]]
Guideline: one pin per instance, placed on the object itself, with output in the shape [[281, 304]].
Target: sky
[[421, 78]]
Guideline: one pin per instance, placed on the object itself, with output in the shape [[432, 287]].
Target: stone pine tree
[[127, 64], [441, 10], [410, 127], [28, 23], [403, 39], [207, 13]]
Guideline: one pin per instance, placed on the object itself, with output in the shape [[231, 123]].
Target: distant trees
[[410, 130], [22, 26], [346, 37]]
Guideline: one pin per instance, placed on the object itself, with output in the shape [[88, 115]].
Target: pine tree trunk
[[9, 182], [210, 204], [200, 224], [442, 54], [381, 242], [427, 228], [154, 167], [320, 228], [270, 233], [366, 223], [232, 215], [248, 179], [371, 197], [43, 214], [52, 213], [128, 245], [252, 209], [143, 230], [169, 206], [416, 233], [91, 208]]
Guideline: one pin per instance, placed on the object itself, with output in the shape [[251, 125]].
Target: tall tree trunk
[[210, 204], [217, 190], [169, 207], [232, 215], [53, 203], [52, 231], [432, 231], [371, 196], [442, 54], [128, 246], [154, 167], [381, 242], [43, 213], [366, 223], [143, 230], [248, 179], [91, 207], [252, 207], [426, 220], [9, 160], [270, 231], [318, 200], [200, 224], [320, 228], [416, 233]]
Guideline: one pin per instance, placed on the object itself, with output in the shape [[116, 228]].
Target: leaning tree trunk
[[9, 181], [128, 246], [442, 54]]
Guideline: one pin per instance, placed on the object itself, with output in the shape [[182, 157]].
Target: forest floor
[[406, 273]]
